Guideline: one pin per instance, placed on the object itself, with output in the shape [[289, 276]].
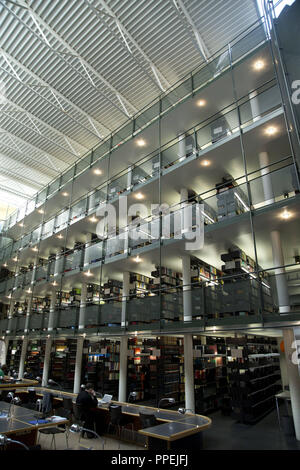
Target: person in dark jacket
[[87, 401]]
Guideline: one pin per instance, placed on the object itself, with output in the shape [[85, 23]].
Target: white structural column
[[187, 293], [293, 376], [82, 308], [181, 144], [125, 297], [266, 178], [189, 373], [23, 357], [10, 316], [283, 368], [280, 276], [46, 361], [123, 369], [78, 364], [254, 105], [3, 350], [28, 312], [52, 310]]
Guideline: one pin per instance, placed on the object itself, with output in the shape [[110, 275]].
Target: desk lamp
[[132, 395], [76, 428], [52, 382], [169, 400], [5, 440], [184, 410]]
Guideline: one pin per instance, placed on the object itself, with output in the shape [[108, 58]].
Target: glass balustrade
[[67, 318], [198, 78], [144, 311], [3, 326]]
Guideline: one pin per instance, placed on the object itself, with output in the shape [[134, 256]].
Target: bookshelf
[[14, 354], [34, 361], [254, 375]]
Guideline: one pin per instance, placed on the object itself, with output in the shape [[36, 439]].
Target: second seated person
[[87, 402]]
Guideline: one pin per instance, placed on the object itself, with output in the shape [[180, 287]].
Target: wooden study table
[[23, 425], [173, 431], [9, 383]]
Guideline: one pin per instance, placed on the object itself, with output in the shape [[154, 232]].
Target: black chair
[[117, 420], [148, 420], [59, 429]]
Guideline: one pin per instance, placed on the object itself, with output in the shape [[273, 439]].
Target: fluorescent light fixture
[[259, 64], [241, 201]]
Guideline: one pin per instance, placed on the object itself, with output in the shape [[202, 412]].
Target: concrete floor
[[224, 434]]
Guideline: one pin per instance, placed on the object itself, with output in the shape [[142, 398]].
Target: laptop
[[106, 399]]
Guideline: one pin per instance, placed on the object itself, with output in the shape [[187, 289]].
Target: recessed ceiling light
[[40, 211], [97, 171], [139, 196], [34, 249], [259, 64], [64, 194], [201, 103], [271, 130], [59, 236], [93, 219], [285, 214], [205, 163], [88, 273], [137, 259], [21, 225], [140, 142]]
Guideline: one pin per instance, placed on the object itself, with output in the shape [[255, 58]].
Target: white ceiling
[[73, 70]]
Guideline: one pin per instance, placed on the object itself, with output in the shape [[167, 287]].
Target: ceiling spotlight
[[21, 224], [93, 219], [34, 249], [40, 211], [201, 103], [205, 163], [259, 64], [137, 259], [285, 214], [88, 273], [271, 130], [59, 236], [141, 142], [97, 171], [64, 194], [139, 196]]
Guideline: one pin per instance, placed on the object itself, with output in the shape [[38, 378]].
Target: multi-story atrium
[[162, 263]]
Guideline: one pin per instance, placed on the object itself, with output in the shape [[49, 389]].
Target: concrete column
[[283, 367], [10, 316], [125, 297], [29, 305], [52, 310], [123, 369], [78, 364], [82, 308], [129, 177], [293, 376], [254, 105], [187, 293], [23, 357], [280, 276], [181, 145], [266, 178], [3, 350], [47, 362], [189, 373]]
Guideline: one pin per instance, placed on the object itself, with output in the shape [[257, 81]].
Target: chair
[[147, 420], [59, 429], [77, 414], [117, 420]]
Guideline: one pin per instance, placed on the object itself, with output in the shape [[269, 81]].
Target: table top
[[174, 425], [23, 419], [9, 383], [285, 394]]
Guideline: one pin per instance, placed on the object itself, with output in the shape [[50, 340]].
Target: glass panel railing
[[13, 219], [273, 186], [30, 206], [67, 176], [28, 277], [2, 287], [259, 105], [175, 96], [100, 151], [26, 241], [20, 324], [248, 42], [21, 213], [96, 198], [41, 273], [36, 235], [171, 306], [68, 317], [218, 129], [122, 134], [13, 324], [73, 261], [19, 281], [114, 245], [37, 322], [3, 325], [41, 197], [61, 221], [78, 211], [53, 187], [141, 311], [48, 229], [148, 115], [92, 316], [93, 253], [119, 186], [10, 284], [83, 164], [110, 313], [179, 151]]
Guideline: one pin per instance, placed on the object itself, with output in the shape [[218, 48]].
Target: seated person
[[87, 401]]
